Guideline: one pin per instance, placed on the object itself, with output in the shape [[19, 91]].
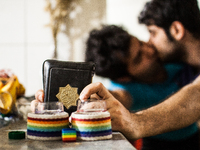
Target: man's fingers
[[33, 105], [112, 103], [93, 88], [95, 96], [39, 95]]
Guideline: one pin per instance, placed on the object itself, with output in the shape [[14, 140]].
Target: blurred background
[[32, 31]]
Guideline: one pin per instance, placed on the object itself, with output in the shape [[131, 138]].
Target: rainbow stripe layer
[[69, 135], [46, 127], [92, 126]]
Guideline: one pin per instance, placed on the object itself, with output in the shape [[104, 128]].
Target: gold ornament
[[68, 96]]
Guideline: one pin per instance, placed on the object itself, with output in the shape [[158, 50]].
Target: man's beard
[[178, 55]]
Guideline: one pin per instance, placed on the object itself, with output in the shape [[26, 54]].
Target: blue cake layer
[[94, 134]]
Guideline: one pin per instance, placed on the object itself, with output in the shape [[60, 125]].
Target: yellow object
[[1, 84], [15, 89], [5, 102]]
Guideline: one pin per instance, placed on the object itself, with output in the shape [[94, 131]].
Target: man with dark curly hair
[[112, 47]]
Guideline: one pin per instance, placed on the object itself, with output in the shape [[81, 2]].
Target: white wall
[[25, 42], [125, 13]]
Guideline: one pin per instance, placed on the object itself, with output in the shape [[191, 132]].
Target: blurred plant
[[58, 10], [74, 18]]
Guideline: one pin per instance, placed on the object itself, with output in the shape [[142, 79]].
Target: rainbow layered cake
[[47, 126], [92, 125]]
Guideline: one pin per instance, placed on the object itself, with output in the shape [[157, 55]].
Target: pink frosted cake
[[46, 126], [92, 125]]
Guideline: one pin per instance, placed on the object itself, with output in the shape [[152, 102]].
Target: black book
[[61, 73]]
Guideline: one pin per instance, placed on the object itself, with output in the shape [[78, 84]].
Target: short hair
[[107, 47], [164, 12]]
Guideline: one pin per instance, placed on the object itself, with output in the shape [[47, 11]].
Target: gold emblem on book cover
[[68, 96]]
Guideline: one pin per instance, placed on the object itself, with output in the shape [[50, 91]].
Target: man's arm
[[178, 111]]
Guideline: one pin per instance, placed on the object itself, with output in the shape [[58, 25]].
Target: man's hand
[[121, 118], [39, 97]]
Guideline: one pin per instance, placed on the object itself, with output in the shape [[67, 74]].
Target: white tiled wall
[[24, 40]]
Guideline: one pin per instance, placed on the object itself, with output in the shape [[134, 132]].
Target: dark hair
[[108, 47], [163, 13]]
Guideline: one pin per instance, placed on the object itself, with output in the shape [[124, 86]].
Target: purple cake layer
[[44, 134]]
